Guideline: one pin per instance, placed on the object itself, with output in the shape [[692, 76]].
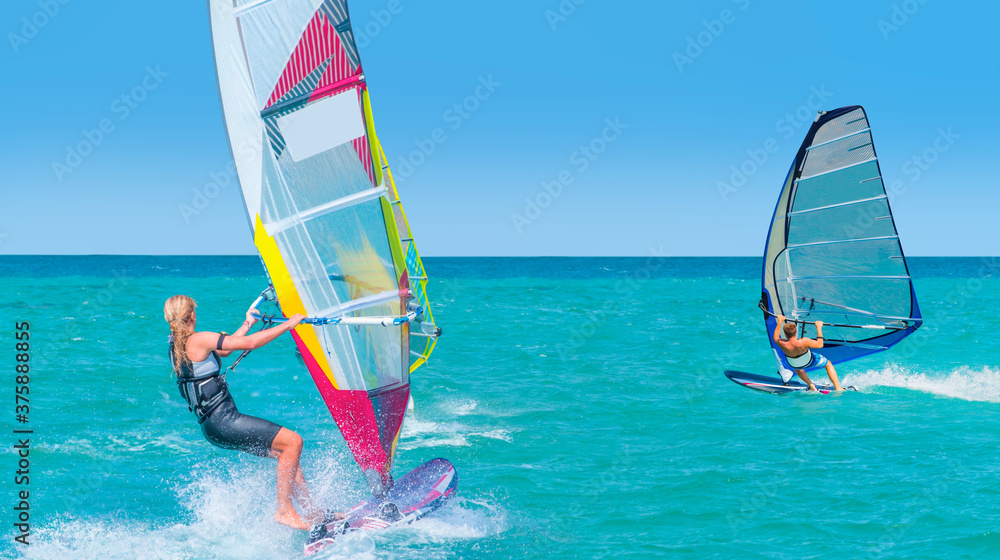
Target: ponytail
[[177, 312]]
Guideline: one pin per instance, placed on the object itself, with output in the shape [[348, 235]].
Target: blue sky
[[637, 116]]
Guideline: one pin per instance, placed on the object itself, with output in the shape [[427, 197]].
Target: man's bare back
[[793, 347], [797, 346]]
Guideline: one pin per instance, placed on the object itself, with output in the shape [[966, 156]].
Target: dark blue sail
[[833, 253]]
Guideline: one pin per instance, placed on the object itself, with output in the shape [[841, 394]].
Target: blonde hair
[[789, 329], [177, 312]]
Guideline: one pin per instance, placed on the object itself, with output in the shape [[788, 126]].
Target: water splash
[[225, 518], [452, 439], [977, 385], [502, 435], [422, 433], [228, 515], [463, 408]]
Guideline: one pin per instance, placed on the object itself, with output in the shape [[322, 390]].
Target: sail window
[[322, 125]]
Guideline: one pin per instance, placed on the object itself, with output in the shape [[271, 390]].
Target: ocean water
[[581, 399]]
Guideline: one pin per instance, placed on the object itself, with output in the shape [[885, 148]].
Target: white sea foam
[[76, 446], [130, 441], [415, 427], [502, 435], [459, 519], [962, 383], [462, 519], [229, 515], [227, 520], [418, 432], [463, 408], [452, 440]]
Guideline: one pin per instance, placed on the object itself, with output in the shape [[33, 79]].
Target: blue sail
[[833, 253]]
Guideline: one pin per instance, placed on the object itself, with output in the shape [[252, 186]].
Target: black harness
[[203, 393]]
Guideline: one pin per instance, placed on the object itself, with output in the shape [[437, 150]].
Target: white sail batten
[[323, 209]]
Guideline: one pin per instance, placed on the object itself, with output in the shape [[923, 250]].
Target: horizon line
[[464, 256]]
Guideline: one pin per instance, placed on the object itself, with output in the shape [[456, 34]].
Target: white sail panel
[[271, 32], [244, 128]]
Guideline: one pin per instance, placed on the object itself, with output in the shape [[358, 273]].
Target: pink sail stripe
[[336, 87], [361, 147], [340, 67], [318, 44], [352, 410]]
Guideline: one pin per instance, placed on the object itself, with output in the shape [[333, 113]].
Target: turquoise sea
[[581, 399]]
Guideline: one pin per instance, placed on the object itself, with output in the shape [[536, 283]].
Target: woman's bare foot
[[292, 519]]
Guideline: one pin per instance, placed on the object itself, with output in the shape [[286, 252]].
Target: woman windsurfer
[[195, 357]]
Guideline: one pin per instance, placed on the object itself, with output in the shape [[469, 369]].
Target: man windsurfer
[[195, 357], [799, 351]]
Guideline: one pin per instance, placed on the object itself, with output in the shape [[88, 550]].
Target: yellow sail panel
[[286, 293]]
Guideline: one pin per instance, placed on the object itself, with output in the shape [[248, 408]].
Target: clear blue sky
[[690, 114]]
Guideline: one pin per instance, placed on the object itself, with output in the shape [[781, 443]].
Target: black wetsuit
[[205, 390]]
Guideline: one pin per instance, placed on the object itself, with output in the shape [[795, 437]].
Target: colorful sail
[[323, 210], [832, 252]]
